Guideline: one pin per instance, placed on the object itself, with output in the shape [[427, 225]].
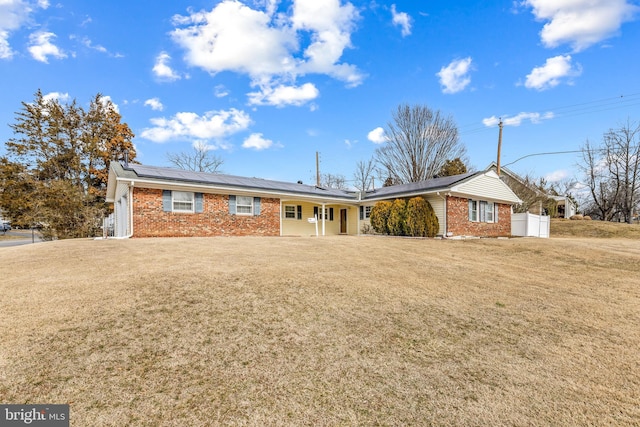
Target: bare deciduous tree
[[199, 160], [418, 143], [612, 173], [364, 175], [337, 181]]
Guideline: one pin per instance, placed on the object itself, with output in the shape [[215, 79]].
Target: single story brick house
[[153, 201]]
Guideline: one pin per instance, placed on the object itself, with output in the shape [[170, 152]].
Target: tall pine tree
[[56, 168]]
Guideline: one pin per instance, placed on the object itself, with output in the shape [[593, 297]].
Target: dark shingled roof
[[418, 187], [215, 179], [164, 174]]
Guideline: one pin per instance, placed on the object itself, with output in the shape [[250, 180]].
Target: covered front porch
[[324, 218]]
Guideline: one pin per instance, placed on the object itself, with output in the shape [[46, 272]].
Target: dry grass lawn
[[329, 331]]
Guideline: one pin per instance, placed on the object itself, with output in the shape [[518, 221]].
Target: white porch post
[[280, 219], [323, 218]]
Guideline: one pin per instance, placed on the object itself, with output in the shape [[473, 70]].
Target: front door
[[343, 221]]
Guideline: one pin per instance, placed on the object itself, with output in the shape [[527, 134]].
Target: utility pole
[[499, 146], [317, 169]]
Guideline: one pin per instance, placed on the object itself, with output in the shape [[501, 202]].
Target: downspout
[[444, 198]]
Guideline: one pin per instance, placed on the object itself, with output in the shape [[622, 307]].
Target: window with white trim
[[182, 201], [473, 210], [293, 212], [328, 213], [244, 205], [365, 212], [486, 211], [482, 211]]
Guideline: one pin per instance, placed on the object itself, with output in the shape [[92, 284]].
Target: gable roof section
[[486, 185], [493, 166]]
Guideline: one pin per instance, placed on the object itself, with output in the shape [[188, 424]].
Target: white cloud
[[580, 23], [88, 43], [402, 20], [349, 143], [517, 119], [257, 142], [556, 176], [55, 96], [41, 48], [154, 103], [162, 70], [284, 95], [376, 136], [5, 49], [220, 91], [552, 73], [212, 125], [13, 14], [455, 76], [107, 101], [273, 49]]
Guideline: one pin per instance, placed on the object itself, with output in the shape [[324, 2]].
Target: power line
[[593, 150], [543, 154], [604, 104]]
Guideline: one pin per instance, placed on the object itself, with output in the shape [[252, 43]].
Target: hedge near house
[[397, 222], [432, 221], [379, 216], [415, 218]]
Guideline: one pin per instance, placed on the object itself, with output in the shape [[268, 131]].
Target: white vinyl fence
[[530, 225]]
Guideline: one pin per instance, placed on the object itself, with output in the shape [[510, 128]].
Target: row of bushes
[[401, 218]]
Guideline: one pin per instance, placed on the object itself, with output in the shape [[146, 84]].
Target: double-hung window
[[182, 201], [365, 212], [328, 213], [244, 205], [293, 212], [473, 210], [482, 211], [487, 211]]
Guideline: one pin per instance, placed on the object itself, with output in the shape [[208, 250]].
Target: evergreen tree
[[453, 167], [56, 168]]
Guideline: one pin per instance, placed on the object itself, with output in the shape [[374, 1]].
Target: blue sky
[[268, 83]]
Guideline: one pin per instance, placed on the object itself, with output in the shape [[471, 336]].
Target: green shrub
[[379, 216], [421, 218], [417, 217], [397, 222], [400, 218], [432, 221]]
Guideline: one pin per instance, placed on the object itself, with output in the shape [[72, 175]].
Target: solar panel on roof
[[233, 181]]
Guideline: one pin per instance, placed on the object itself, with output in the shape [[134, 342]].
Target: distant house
[[165, 202], [536, 201]]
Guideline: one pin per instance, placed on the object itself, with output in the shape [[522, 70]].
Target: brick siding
[[458, 220], [149, 219]]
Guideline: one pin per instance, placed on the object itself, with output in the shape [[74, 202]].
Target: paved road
[[19, 237]]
